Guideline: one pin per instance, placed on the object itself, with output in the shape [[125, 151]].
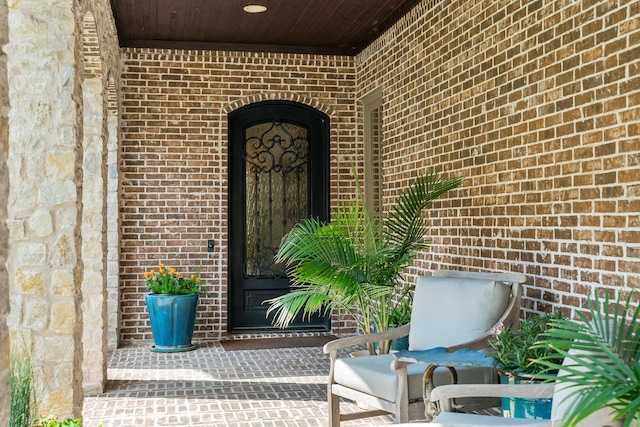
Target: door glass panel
[[277, 174]]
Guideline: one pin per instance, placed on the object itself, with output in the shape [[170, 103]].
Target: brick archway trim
[[279, 96]]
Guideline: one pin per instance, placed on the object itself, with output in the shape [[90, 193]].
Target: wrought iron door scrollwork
[[276, 161]]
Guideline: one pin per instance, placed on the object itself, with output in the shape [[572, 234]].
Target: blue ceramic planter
[[401, 343], [513, 407], [397, 344], [172, 318]]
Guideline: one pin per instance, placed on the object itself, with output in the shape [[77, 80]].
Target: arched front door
[[278, 175]]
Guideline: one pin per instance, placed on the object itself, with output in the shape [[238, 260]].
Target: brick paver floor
[[213, 387]]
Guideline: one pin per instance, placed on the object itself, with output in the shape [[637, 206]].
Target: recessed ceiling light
[[255, 8]]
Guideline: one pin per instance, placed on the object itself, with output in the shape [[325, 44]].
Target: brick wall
[[174, 159], [537, 104]]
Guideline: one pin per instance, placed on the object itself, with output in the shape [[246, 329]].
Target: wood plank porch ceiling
[[332, 27]]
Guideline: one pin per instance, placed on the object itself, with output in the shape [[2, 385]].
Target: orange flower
[[168, 280]]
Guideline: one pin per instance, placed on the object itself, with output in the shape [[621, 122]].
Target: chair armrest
[[396, 364], [445, 393], [367, 338]]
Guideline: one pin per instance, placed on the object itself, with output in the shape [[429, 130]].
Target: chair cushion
[[373, 375], [450, 310]]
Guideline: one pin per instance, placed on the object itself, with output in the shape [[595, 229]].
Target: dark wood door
[[278, 175]]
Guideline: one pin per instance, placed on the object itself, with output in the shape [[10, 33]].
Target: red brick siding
[[537, 104], [174, 157]]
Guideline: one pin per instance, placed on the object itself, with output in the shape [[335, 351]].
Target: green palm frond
[[604, 370], [305, 301], [407, 224], [354, 263], [362, 228]]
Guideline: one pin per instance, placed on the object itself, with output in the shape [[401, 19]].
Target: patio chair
[[450, 309], [444, 395]]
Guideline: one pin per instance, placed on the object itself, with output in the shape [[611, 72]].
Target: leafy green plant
[[514, 350], [52, 421], [170, 282], [401, 312], [353, 263], [603, 367], [21, 390]]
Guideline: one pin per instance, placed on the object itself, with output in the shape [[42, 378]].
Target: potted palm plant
[[603, 366], [354, 263]]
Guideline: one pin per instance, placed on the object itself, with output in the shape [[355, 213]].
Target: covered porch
[[115, 158]]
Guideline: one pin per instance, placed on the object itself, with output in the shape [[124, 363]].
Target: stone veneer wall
[[44, 166], [45, 215], [100, 61], [536, 102], [174, 157], [4, 241], [113, 212]]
